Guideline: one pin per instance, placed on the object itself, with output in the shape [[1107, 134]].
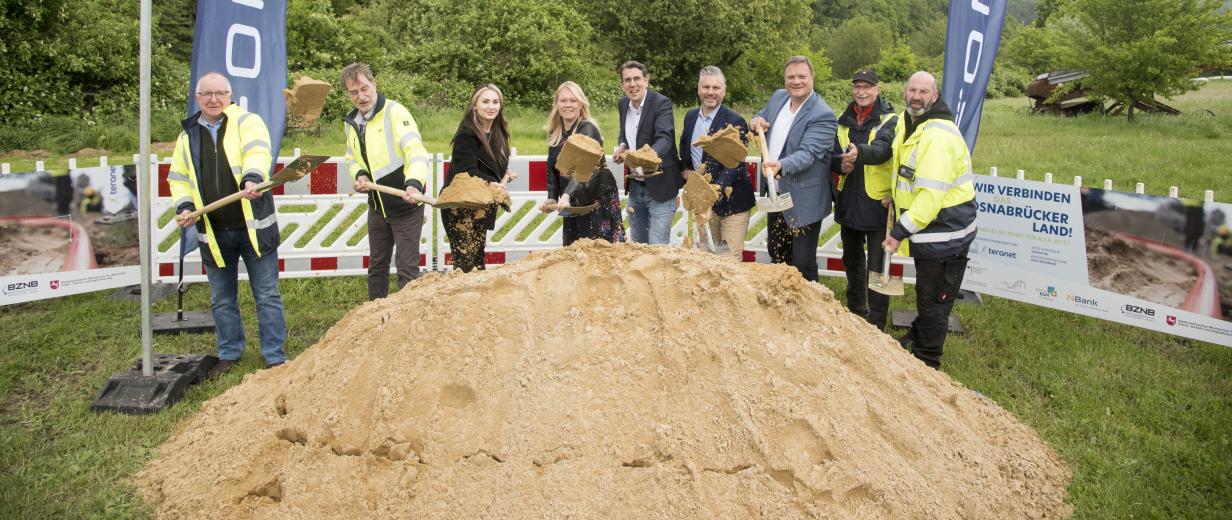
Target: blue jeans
[[224, 285], [651, 222]]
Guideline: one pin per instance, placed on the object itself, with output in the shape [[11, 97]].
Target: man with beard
[[934, 194]]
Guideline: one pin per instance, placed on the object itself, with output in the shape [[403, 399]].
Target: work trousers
[[937, 281], [793, 246], [398, 237], [731, 229], [870, 305]]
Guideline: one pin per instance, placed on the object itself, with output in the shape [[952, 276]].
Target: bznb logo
[[21, 287], [1135, 311]]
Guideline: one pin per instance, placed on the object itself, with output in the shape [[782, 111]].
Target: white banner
[[1159, 263]]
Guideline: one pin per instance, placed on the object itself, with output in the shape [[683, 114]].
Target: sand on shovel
[[605, 381], [579, 157], [725, 146], [699, 195], [645, 157], [473, 192]]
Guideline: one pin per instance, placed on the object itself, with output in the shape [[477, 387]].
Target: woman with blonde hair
[[480, 148], [571, 115]]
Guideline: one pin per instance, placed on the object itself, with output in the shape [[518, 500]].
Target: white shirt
[[633, 116], [778, 132]]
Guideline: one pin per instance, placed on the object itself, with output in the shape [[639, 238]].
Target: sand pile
[[645, 158], [471, 192], [725, 146], [579, 157], [605, 381]]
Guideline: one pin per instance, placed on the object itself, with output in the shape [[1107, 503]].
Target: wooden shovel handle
[[421, 198], [228, 200], [765, 152]]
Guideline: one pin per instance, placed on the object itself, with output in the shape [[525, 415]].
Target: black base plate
[[133, 393], [903, 319], [965, 296], [194, 322], [158, 291]]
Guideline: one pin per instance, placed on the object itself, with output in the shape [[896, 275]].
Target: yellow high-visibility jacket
[[934, 190], [877, 177], [388, 151], [246, 143]]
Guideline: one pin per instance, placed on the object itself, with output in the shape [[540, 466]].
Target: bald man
[[934, 195]]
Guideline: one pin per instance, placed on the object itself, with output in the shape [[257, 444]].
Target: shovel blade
[[889, 287], [577, 211], [775, 204], [301, 166]]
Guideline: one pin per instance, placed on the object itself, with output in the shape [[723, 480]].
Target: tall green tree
[[857, 44], [1130, 56]]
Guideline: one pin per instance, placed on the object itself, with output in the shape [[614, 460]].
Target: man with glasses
[[221, 150], [861, 159]]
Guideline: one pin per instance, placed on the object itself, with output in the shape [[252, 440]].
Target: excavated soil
[[645, 157], [471, 192], [579, 157], [1131, 269], [32, 249], [699, 195], [725, 146], [605, 381]]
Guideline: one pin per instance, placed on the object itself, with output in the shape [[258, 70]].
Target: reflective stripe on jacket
[[391, 153], [246, 142], [877, 177], [934, 190]]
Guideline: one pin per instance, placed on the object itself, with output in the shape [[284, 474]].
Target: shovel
[[463, 204], [883, 282], [773, 203], [638, 174], [420, 198], [295, 171], [567, 211]]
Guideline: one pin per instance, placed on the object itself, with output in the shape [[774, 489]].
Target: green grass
[[1140, 418]]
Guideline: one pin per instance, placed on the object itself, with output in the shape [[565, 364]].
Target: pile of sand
[[605, 381], [579, 157], [472, 192], [645, 158], [725, 146]]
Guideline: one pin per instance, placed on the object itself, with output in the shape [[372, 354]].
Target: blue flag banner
[[970, 47], [246, 41]]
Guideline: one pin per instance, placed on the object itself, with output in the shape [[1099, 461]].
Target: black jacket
[[471, 157], [742, 198], [657, 128], [852, 207]]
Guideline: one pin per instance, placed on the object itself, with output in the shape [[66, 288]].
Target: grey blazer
[[805, 158]]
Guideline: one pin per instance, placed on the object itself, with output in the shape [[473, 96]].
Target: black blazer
[[657, 128], [742, 198]]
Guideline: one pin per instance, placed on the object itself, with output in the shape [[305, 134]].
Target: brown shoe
[[273, 365], [223, 366]]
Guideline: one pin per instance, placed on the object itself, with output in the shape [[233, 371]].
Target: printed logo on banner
[[1171, 320], [1016, 287], [15, 288], [1048, 294], [55, 284], [1083, 301], [1138, 312]]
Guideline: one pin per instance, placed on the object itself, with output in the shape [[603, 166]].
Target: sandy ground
[[601, 381], [31, 249]]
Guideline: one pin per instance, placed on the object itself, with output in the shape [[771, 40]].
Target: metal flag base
[[158, 291], [965, 296], [133, 393], [903, 319], [188, 322]]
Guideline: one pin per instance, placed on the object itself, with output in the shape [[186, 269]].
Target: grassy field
[[1140, 418]]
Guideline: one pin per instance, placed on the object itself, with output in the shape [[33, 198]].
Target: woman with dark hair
[[480, 148], [571, 114]]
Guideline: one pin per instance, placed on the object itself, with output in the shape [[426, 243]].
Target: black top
[[471, 157], [217, 181], [852, 207], [656, 128], [742, 198]]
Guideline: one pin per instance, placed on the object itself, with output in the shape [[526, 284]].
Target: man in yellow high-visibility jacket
[[934, 192], [383, 147], [224, 149]]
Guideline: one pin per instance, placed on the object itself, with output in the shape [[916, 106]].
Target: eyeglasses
[[214, 94]]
